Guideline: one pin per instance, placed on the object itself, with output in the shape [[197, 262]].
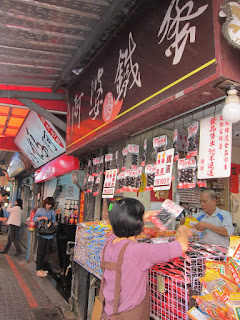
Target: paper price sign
[[163, 174], [109, 183]]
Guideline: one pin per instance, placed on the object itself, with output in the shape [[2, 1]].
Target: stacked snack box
[[90, 238], [220, 294]]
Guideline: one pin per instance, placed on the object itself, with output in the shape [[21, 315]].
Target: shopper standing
[[45, 213], [14, 222], [3, 196]]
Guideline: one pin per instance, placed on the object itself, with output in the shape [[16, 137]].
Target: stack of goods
[[220, 295], [90, 238], [172, 283], [189, 196]]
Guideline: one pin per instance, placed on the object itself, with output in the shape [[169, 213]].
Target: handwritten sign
[[39, 140], [215, 148], [163, 174], [109, 183]]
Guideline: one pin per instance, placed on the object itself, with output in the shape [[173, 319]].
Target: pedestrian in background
[[45, 213], [14, 222], [3, 196]]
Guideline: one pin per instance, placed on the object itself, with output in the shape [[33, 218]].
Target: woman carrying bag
[[45, 213], [124, 289]]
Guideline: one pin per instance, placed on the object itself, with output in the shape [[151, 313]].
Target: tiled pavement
[[24, 296]]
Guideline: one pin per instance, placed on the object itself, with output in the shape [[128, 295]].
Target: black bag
[[47, 228]]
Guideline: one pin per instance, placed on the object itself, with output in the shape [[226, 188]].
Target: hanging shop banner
[[109, 183], [164, 165], [215, 148], [163, 48], [56, 168], [39, 140], [234, 178]]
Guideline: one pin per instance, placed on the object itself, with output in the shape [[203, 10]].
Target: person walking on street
[[3, 196], [14, 222], [45, 213]]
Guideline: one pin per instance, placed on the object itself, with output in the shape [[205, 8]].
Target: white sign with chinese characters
[[163, 174], [39, 140], [109, 183], [215, 148]]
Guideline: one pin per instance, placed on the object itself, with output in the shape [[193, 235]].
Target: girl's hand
[[148, 214]]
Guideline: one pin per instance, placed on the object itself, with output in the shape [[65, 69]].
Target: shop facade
[[147, 81]]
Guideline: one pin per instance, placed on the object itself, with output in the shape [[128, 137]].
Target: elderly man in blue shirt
[[215, 225]]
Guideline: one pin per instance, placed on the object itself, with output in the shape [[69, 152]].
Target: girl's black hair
[[48, 200], [126, 217], [19, 203]]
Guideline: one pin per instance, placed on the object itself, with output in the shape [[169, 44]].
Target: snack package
[[159, 144], [217, 284], [234, 269], [89, 167], [220, 266], [120, 182], [190, 223], [150, 170], [144, 156], [214, 308], [116, 161], [234, 248], [196, 314], [96, 184], [192, 149], [108, 161], [169, 211], [187, 173], [175, 145], [101, 165], [96, 167], [133, 150], [124, 159], [90, 184], [233, 303]]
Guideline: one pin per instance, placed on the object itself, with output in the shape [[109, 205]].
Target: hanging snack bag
[[150, 170], [96, 167], [159, 144], [133, 150], [116, 161], [187, 173], [128, 180], [124, 159], [120, 182], [175, 145], [90, 184], [89, 168], [144, 156], [108, 161], [96, 184], [101, 165], [138, 179], [192, 149], [169, 211]]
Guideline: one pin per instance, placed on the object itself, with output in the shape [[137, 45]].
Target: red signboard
[[57, 167], [163, 48]]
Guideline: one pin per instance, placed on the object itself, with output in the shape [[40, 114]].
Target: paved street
[[24, 296]]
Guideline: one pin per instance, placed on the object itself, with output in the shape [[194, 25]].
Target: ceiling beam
[[32, 95], [44, 113], [100, 27]]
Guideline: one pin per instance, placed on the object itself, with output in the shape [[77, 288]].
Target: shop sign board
[[163, 48], [215, 148], [39, 140], [109, 183], [56, 168], [164, 165]]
